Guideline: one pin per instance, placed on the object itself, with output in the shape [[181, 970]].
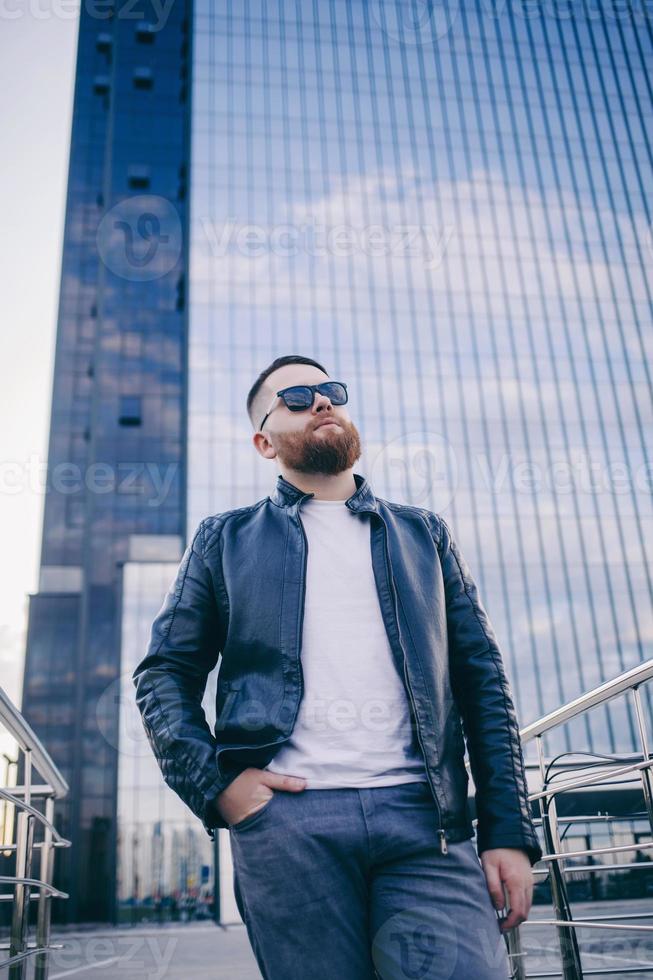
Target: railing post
[[571, 963], [517, 968], [645, 773], [20, 912], [45, 904]]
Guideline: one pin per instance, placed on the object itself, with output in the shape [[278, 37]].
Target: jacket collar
[[286, 494]]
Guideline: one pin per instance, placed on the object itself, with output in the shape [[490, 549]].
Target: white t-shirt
[[353, 724]]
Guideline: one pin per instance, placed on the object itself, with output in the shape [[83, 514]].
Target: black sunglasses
[[300, 397]]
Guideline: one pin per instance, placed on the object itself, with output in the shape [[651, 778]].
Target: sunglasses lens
[[298, 398], [334, 391], [301, 397]]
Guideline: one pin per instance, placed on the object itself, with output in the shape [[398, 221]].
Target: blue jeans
[[351, 884]]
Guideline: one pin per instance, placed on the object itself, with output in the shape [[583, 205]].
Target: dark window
[[138, 176], [130, 410], [145, 33], [143, 78], [103, 42]]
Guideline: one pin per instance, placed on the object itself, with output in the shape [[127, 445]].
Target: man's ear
[[263, 446]]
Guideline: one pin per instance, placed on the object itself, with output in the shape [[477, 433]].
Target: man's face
[[320, 439]]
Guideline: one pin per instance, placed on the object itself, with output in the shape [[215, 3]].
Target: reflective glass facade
[[116, 463], [449, 212]]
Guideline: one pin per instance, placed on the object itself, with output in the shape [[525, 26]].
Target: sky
[[38, 44]]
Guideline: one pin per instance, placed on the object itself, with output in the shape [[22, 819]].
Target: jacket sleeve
[[484, 698], [185, 641]]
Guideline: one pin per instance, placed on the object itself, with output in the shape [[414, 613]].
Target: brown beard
[[328, 453]]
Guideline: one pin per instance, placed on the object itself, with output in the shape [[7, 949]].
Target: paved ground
[[620, 950], [200, 951]]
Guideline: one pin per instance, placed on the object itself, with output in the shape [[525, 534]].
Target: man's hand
[[512, 867], [250, 791]]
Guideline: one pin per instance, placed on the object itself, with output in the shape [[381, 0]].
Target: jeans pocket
[[253, 817]]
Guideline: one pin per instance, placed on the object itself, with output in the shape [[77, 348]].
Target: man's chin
[[317, 453]]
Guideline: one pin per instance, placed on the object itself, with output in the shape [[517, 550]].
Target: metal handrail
[[11, 879], [598, 695], [28, 741], [58, 839], [590, 780], [24, 817], [624, 684]]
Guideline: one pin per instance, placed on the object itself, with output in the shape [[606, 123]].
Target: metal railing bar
[[572, 759], [593, 973], [46, 870], [18, 727], [38, 789], [562, 764], [40, 949], [15, 880], [590, 780], [25, 954], [613, 849], [7, 897], [625, 915], [633, 866], [598, 818], [21, 805], [598, 695], [39, 843], [647, 786], [577, 924], [589, 868]]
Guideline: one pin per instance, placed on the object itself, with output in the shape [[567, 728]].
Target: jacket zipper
[[441, 833], [301, 612]]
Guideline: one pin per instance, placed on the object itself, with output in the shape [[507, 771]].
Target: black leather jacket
[[239, 591]]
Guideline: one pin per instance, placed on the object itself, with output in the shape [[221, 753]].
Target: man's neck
[[340, 486]]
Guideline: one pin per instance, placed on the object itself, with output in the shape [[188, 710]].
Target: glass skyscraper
[[445, 204], [117, 449]]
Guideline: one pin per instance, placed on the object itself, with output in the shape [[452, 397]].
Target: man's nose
[[321, 402]]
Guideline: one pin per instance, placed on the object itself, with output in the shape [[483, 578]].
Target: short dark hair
[[277, 363]]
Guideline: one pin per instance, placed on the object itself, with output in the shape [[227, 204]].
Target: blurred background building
[[443, 203]]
